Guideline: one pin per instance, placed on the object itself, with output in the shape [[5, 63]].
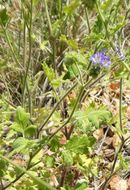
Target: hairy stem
[[29, 57]]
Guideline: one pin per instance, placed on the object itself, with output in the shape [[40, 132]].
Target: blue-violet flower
[[101, 59]]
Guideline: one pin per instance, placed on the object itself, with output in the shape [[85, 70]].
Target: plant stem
[[104, 186], [88, 85], [52, 38], [29, 99], [38, 181], [29, 57], [10, 46], [63, 176], [105, 25], [48, 18], [12, 182], [24, 49], [120, 105], [80, 74], [74, 108], [53, 44], [55, 107], [78, 99], [60, 8], [86, 13]]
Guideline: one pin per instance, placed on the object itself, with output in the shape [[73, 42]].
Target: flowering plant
[[101, 59]]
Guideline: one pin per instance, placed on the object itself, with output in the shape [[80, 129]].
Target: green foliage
[[22, 118], [3, 167], [80, 145], [81, 186], [72, 59], [98, 27], [4, 17], [70, 9], [38, 181], [47, 120], [49, 161], [67, 157], [49, 72], [92, 118], [30, 130], [22, 123], [106, 4], [88, 165], [90, 4], [70, 42]]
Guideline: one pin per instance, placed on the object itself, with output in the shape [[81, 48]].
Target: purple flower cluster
[[101, 59]]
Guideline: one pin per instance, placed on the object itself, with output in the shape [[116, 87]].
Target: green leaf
[[80, 144], [20, 145], [75, 57], [118, 26], [98, 27], [3, 164], [1, 173], [72, 71], [22, 117], [30, 130], [48, 72], [70, 9], [99, 117], [3, 167], [81, 186], [106, 4], [4, 17], [58, 81], [71, 59], [91, 118], [21, 141], [70, 42], [54, 144], [49, 161], [15, 126], [67, 158]]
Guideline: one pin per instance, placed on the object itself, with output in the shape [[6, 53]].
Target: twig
[[63, 176]]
